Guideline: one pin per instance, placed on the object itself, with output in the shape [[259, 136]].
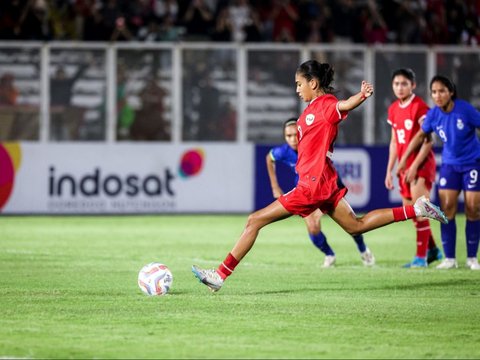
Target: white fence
[[186, 92]]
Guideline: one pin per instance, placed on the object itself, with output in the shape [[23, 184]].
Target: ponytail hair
[[322, 72]]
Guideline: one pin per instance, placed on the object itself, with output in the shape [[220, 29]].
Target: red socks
[[226, 268], [403, 213], [424, 233]]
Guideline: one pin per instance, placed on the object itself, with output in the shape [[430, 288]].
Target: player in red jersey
[[317, 187], [405, 116]]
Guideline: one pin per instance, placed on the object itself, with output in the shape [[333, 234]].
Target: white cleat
[[424, 207], [209, 277], [473, 264], [367, 258], [448, 263], [329, 261]]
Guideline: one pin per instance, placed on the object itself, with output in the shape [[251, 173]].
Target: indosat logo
[[10, 158], [98, 191]]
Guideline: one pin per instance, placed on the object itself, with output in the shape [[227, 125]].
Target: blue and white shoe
[[208, 277], [434, 254], [417, 262]]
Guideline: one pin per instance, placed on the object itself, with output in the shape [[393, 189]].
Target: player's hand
[[410, 174], [401, 166], [277, 193], [366, 89], [389, 181]]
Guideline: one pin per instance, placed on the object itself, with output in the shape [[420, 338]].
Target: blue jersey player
[[287, 154], [455, 122]]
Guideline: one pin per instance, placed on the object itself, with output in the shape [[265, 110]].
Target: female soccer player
[[287, 154], [455, 122], [405, 116], [317, 186]]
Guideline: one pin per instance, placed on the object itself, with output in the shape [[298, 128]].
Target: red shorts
[[300, 201], [427, 172]]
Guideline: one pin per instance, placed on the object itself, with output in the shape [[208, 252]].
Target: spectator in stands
[[315, 24], [10, 14], [165, 8], [169, 31], [456, 20], [239, 13], [223, 30], [149, 123], [375, 28], [284, 16], [345, 14], [66, 118], [209, 123], [35, 22], [150, 32], [8, 91], [125, 113], [254, 31], [110, 12], [198, 20], [91, 22], [411, 22], [138, 13], [121, 31]]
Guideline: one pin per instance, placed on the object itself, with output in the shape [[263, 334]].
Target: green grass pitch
[[68, 289]]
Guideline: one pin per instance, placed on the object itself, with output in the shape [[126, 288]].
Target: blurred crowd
[[304, 21]]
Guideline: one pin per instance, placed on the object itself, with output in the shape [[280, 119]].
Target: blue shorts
[[460, 177]]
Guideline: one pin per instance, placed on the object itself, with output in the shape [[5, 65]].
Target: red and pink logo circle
[[10, 156], [191, 163]]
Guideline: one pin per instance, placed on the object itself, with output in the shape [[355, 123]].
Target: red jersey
[[405, 120], [317, 131]]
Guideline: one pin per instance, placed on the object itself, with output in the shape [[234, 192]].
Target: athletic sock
[[423, 235], [431, 242], [449, 238], [227, 266], [320, 241], [403, 213], [360, 243], [472, 234]]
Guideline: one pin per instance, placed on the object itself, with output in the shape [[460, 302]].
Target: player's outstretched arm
[[366, 90]]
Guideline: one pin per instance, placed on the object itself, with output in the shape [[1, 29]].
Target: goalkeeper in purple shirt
[[455, 122], [287, 154]]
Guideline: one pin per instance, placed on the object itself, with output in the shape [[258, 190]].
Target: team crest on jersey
[[309, 119], [408, 124], [460, 124]]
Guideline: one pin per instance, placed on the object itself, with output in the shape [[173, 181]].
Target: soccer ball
[[155, 279]]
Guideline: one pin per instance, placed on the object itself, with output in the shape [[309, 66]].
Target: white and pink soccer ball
[[155, 279]]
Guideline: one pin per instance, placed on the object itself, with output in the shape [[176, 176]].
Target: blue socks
[[360, 243], [449, 238], [472, 235], [320, 241]]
